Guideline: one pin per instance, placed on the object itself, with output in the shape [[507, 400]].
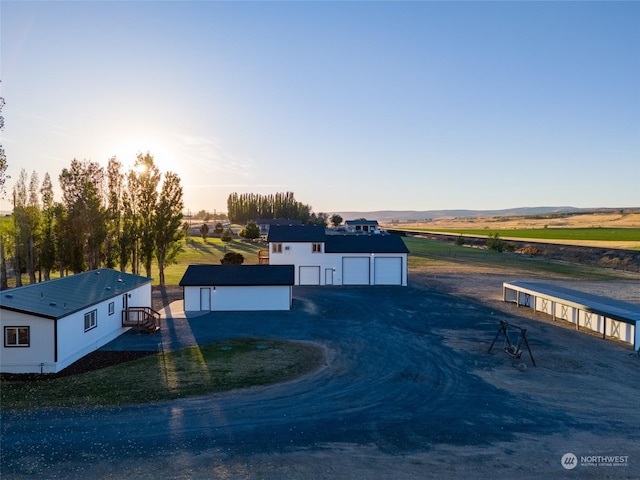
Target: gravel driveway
[[408, 391]]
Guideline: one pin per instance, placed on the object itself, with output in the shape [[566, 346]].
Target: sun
[[163, 158]]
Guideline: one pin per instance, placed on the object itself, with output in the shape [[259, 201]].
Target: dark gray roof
[[361, 222], [365, 244], [236, 275], [296, 233], [64, 296]]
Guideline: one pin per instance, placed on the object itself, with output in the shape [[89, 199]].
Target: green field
[[577, 234]]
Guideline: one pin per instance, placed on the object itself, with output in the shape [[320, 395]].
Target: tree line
[[245, 207], [107, 217]]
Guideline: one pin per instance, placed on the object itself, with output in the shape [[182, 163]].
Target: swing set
[[513, 348]]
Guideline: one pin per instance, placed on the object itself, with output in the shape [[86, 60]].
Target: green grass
[[576, 234], [428, 253], [193, 371]]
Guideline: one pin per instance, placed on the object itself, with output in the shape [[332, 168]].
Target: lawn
[[193, 371]]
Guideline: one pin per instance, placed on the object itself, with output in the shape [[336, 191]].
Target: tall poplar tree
[[168, 223]]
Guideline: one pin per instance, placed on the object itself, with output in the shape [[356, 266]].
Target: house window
[[16, 336], [276, 248], [316, 247], [112, 308], [90, 320]]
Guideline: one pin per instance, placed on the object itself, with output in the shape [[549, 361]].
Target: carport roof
[[63, 296], [365, 244], [296, 233], [237, 275]]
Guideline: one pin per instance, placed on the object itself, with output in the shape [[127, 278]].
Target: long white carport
[[607, 316]]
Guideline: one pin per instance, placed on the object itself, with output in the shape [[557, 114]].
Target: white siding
[[73, 342], [39, 355], [241, 298]]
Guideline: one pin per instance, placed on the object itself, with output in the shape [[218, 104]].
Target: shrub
[[495, 243]]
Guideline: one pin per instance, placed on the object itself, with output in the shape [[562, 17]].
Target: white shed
[[237, 287], [49, 325]]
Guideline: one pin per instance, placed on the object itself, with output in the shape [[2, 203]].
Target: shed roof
[[361, 222], [365, 244], [296, 233], [238, 275], [63, 296]]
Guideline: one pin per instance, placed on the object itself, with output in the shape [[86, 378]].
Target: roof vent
[[9, 295], [108, 288], [119, 280], [53, 304]]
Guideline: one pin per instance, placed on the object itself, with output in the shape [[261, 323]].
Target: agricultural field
[[610, 230]]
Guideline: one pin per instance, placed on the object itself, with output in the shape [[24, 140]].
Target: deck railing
[[145, 318]]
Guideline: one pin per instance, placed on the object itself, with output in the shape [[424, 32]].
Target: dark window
[[16, 336], [90, 320]]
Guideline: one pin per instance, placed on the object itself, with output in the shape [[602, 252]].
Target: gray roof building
[[237, 275], [64, 296]]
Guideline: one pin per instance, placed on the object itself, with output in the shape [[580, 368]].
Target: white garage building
[[328, 259], [49, 325], [237, 287]]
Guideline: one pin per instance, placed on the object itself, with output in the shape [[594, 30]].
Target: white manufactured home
[[328, 259], [215, 288], [49, 325]]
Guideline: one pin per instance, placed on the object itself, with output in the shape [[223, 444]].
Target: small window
[[90, 320], [276, 248], [16, 336], [316, 248], [112, 308]]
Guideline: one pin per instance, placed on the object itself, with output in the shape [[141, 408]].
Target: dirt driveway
[[408, 391]]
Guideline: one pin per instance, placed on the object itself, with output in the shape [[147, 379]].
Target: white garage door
[[388, 271], [355, 271], [309, 276]]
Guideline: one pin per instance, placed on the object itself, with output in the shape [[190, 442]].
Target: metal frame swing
[[513, 349]]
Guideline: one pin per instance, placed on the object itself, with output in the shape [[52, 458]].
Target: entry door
[[328, 276], [205, 299]]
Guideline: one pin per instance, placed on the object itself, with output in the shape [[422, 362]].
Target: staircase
[[141, 318]]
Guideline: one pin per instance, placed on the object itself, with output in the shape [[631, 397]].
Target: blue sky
[[351, 105]]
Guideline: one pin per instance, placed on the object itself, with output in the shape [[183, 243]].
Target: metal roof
[[237, 275], [612, 308], [296, 233], [361, 222], [63, 296], [365, 244]]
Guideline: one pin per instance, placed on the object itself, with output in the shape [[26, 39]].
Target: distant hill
[[406, 215]]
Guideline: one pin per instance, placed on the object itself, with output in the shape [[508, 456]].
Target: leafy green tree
[[21, 227], [147, 179], [336, 219], [227, 236], [495, 243], [204, 231], [113, 215], [218, 229], [82, 193], [251, 231], [47, 244], [168, 223], [232, 258]]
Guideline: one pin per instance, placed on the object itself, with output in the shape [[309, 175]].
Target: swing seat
[[513, 351]]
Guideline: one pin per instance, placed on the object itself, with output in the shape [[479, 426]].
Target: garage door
[[388, 271], [309, 276], [355, 271]]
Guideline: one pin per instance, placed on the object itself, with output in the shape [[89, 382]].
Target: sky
[[351, 105]]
